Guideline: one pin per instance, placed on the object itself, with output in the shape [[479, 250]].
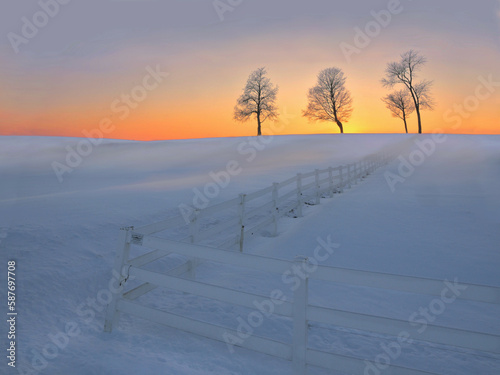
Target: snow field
[[441, 222]]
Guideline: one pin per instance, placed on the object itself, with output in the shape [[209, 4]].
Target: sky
[[67, 67]]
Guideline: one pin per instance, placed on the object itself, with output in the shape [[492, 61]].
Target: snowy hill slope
[[441, 222]]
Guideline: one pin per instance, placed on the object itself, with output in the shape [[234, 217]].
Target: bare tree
[[259, 97], [405, 71], [329, 100], [400, 104]]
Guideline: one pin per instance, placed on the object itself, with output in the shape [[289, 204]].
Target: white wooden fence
[[270, 204], [248, 214], [303, 313]]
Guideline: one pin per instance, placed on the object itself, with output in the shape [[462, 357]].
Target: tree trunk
[[417, 107], [341, 127], [406, 125], [419, 120], [259, 130]]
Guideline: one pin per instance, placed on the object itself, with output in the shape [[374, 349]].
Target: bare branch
[[404, 72], [423, 93], [258, 98], [329, 100], [400, 104]]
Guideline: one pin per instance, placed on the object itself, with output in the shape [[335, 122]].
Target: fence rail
[[303, 313], [263, 208]]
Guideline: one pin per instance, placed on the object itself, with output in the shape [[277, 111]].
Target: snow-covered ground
[[441, 222]]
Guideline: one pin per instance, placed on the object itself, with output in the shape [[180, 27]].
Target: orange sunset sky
[[65, 79]]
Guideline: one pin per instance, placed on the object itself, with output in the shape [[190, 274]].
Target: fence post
[[330, 181], [300, 325], [275, 209], [299, 195], [194, 227], [242, 220], [316, 178], [121, 258]]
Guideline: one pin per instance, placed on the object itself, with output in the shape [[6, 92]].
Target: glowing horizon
[[62, 84]]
